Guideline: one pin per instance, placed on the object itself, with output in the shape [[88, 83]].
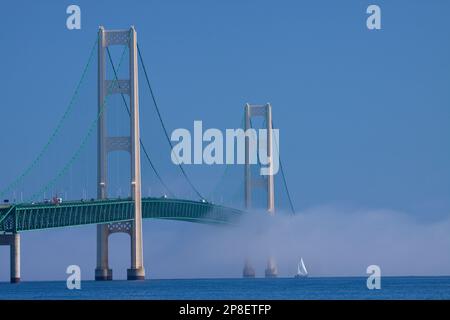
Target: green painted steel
[[24, 217]]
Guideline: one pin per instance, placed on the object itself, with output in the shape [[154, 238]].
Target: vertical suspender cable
[[162, 122], [142, 144], [284, 179]]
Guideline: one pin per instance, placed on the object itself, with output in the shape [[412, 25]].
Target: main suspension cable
[[140, 140], [162, 122], [77, 153], [291, 204], [57, 128]]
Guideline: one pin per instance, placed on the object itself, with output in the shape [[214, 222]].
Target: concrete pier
[[103, 274], [271, 270], [15, 258], [102, 271], [249, 271], [13, 241], [136, 274]]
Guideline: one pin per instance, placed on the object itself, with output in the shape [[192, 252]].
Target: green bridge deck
[[24, 217]]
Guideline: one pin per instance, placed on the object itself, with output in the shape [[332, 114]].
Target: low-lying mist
[[332, 242]]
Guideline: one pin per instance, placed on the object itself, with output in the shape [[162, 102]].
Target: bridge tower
[[107, 144], [264, 181]]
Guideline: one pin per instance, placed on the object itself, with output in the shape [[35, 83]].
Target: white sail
[[304, 271], [301, 270]]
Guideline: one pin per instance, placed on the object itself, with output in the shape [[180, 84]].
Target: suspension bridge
[[125, 215]]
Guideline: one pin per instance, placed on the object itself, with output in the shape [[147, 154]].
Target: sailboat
[[301, 270]]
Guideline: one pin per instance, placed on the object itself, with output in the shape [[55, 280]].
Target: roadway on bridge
[[28, 216]]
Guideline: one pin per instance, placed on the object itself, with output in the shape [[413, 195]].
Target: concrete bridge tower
[[107, 144], [264, 181]]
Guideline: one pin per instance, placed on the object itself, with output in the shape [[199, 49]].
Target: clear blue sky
[[363, 115]]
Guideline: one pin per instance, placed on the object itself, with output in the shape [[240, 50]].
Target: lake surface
[[260, 288]]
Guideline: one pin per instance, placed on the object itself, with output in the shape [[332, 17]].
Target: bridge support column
[[267, 181], [271, 270], [102, 272], [15, 258], [249, 271], [13, 241], [131, 144], [136, 272]]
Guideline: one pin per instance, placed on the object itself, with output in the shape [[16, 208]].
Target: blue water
[[282, 288]]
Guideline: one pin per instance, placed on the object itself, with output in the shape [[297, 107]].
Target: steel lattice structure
[[26, 217]]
